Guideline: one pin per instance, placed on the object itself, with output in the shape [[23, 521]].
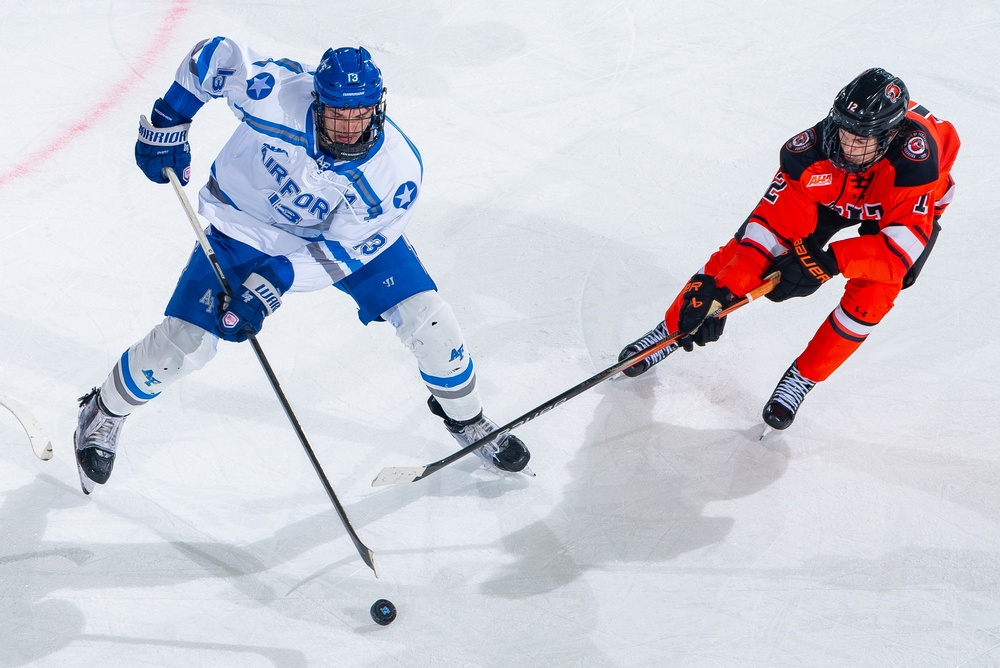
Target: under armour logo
[[857, 309]]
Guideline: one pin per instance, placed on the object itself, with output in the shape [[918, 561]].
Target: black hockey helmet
[[874, 104]]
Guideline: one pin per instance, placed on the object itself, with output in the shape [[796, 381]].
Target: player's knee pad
[[862, 307], [171, 350], [868, 301], [426, 324]]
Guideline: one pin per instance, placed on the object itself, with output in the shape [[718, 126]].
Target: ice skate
[[656, 335], [508, 453], [779, 412], [95, 441]]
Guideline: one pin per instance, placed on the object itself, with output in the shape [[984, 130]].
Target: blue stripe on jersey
[[275, 130], [364, 189], [183, 101], [412, 147], [340, 255], [130, 382], [282, 62], [205, 59], [452, 381]]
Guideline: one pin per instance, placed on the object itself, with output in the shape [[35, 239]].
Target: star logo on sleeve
[[405, 194], [260, 86]]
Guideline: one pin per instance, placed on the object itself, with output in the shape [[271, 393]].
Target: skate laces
[[102, 430], [105, 437], [652, 337], [792, 388], [477, 430], [656, 335]]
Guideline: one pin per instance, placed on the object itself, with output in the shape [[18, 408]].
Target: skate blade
[[503, 472], [767, 430], [86, 484]]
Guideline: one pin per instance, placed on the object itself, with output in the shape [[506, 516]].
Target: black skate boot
[[507, 454], [96, 440], [656, 335], [787, 397]]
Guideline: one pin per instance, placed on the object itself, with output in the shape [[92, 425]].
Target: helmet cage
[[359, 149], [874, 104], [834, 150]]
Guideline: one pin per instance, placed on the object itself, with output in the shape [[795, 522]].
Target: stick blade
[[398, 475], [370, 561], [43, 452], [41, 445]]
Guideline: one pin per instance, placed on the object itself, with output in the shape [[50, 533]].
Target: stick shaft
[[366, 554]]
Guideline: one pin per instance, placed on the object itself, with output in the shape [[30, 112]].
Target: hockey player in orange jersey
[[879, 163]]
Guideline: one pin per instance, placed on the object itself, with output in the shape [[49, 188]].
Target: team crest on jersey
[[802, 141], [915, 147], [817, 180], [892, 92], [260, 86], [405, 194]]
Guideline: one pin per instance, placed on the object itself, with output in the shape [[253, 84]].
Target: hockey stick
[[366, 554], [40, 443], [394, 475]]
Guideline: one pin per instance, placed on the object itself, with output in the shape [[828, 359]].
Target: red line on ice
[[96, 113]]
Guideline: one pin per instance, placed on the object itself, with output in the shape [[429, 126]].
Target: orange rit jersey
[[894, 203]]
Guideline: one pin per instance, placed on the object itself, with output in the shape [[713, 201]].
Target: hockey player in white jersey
[[314, 188]]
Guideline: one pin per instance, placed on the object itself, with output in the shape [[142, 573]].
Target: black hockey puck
[[383, 612]]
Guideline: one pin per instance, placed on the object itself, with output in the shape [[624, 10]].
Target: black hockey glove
[[702, 297], [163, 143], [710, 330], [804, 268]]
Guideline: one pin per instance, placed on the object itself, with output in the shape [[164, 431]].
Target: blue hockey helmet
[[347, 78]]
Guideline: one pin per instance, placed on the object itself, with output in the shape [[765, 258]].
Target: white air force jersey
[[272, 188]]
